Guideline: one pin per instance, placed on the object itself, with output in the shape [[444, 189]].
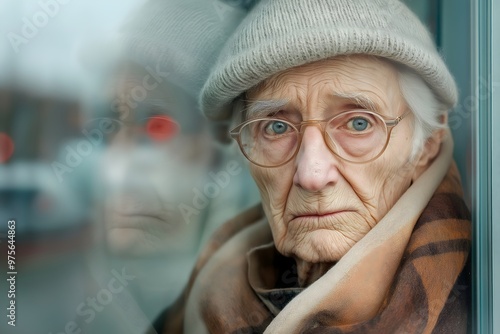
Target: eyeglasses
[[355, 136]]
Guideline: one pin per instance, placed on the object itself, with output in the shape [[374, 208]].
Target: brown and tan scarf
[[409, 274]]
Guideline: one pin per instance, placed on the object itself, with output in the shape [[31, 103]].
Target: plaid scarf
[[419, 283]]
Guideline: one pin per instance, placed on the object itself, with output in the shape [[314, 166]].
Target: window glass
[[496, 164]]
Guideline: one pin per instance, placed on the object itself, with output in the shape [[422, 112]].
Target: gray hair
[[425, 106]]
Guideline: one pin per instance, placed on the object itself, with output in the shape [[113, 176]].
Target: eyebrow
[[156, 103], [358, 98], [261, 108]]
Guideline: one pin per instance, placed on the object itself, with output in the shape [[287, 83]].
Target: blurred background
[[107, 166]]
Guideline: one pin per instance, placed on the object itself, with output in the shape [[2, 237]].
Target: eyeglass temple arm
[[235, 132], [394, 122]]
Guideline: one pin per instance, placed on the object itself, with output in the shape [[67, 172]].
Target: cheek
[[394, 163], [393, 175], [274, 185], [381, 183]]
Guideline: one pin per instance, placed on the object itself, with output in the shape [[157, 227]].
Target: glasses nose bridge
[[314, 122], [320, 124]]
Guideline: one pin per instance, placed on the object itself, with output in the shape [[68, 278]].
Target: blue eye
[[358, 124], [276, 128]]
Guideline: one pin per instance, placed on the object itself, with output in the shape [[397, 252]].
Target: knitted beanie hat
[[281, 34], [179, 39]]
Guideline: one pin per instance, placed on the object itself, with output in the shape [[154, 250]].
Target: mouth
[[136, 214], [326, 214], [139, 220], [320, 216], [136, 210]]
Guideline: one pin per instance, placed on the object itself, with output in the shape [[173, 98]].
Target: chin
[[136, 235], [141, 235], [319, 246], [132, 242]]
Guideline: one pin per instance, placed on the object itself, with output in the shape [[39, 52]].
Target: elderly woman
[[341, 110]]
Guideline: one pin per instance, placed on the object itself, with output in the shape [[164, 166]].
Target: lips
[[133, 211], [321, 214], [136, 214], [326, 217], [133, 205]]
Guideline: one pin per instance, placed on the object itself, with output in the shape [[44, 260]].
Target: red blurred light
[[6, 147], [162, 128]]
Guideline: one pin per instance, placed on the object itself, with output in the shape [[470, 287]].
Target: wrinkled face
[[318, 205]]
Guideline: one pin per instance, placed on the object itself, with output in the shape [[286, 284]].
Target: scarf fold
[[409, 274]]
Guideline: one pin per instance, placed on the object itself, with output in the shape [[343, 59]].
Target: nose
[[130, 164], [316, 164]]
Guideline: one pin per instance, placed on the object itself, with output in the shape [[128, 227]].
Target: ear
[[430, 149]]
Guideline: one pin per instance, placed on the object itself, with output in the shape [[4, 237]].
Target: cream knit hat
[[281, 34]]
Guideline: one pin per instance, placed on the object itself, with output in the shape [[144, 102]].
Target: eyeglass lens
[[356, 136]]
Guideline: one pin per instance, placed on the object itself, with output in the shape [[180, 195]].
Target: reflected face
[[318, 205], [152, 164]]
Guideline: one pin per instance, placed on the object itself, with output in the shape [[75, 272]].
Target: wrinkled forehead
[[352, 72], [366, 81], [146, 94], [144, 85]]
